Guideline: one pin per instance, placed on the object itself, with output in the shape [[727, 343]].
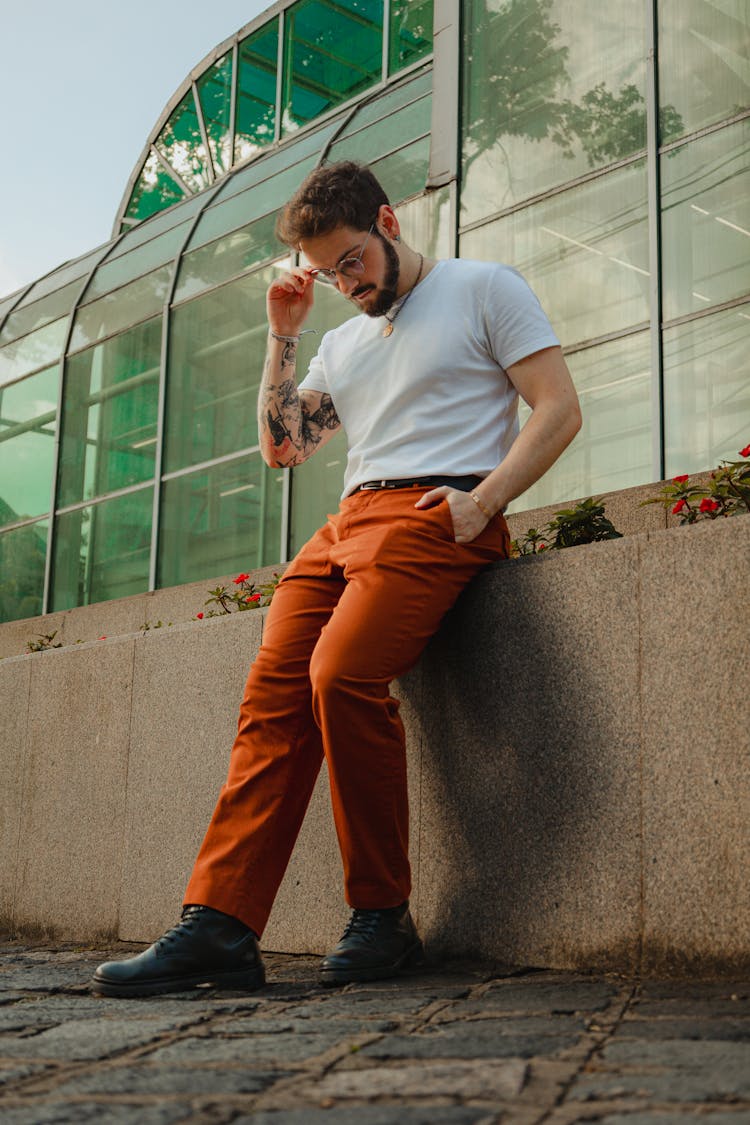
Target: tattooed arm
[[291, 424]]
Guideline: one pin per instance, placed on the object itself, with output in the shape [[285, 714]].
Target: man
[[425, 385]]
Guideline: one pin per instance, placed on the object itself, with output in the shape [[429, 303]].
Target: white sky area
[[82, 84]]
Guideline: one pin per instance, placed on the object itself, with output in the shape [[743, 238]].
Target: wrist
[[486, 511], [282, 338]]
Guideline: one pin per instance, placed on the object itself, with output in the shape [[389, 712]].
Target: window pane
[[551, 89], [703, 61], [269, 163], [332, 53], [404, 173], [138, 261], [39, 349], [22, 557], [215, 93], [103, 551], [410, 32], [259, 200], [155, 189], [584, 252], [317, 484], [218, 346], [28, 317], [383, 136], [425, 223], [134, 302], [227, 257], [255, 119], [155, 225], [180, 141], [223, 519], [707, 391], [613, 449], [28, 422], [109, 415], [63, 276], [706, 221], [391, 100]]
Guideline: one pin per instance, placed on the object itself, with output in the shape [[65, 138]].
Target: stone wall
[[579, 758]]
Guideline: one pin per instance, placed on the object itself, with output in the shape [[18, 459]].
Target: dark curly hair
[[335, 195]]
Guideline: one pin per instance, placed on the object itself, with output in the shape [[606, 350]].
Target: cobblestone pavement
[[452, 1045]]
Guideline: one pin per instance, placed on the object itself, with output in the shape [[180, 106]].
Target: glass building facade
[[601, 149]]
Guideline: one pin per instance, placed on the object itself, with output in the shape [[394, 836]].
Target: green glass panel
[[108, 437], [703, 62], [706, 221], [102, 551], [6, 304], [332, 53], [404, 173], [215, 93], [217, 350], [129, 305], [63, 276], [220, 520], [265, 197], [551, 89], [155, 225], [255, 117], [142, 259], [228, 257], [584, 252], [268, 164], [23, 553], [425, 223], [707, 391], [28, 422], [410, 32], [383, 136], [317, 484], [180, 141], [28, 317], [155, 189], [613, 449], [39, 349], [391, 100]]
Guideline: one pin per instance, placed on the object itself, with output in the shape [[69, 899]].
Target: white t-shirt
[[433, 399]]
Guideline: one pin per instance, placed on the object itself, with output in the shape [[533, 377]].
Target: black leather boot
[[205, 947], [376, 944]]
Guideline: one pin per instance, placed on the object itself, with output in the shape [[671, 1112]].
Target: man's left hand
[[468, 520]]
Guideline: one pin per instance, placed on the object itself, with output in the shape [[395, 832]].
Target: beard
[[385, 296]]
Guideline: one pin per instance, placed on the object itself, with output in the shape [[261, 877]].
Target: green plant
[[571, 527], [246, 595], [726, 493], [43, 642]]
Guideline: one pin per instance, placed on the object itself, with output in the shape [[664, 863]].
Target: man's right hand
[[289, 300]]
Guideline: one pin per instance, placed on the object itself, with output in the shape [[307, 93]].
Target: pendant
[[387, 330]]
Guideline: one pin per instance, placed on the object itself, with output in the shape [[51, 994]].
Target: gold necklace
[[389, 326]]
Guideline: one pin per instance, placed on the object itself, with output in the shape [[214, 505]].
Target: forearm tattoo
[[294, 425]]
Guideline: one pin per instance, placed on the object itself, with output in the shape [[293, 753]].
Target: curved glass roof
[[294, 64]]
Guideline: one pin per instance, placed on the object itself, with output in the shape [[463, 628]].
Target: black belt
[[463, 484]]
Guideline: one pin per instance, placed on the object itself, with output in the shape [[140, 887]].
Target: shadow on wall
[[529, 778]]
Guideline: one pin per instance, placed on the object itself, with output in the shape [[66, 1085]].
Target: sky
[[82, 84]]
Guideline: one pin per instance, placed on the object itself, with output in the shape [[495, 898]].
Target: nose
[[346, 284]]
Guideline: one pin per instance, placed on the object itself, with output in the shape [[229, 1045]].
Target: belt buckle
[[371, 485]]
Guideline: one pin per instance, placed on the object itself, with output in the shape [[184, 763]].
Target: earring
[[397, 238]]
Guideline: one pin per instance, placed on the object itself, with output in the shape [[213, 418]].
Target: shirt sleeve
[[315, 379], [515, 322]]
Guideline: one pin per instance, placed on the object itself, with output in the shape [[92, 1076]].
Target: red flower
[[678, 507], [708, 505], [199, 616], [103, 638], [745, 452], [680, 480], [241, 578], [542, 547], [253, 598]]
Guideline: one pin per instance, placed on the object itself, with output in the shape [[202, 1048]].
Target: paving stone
[[672, 1070], [10, 1074], [63, 1113], [364, 1006], [684, 990], [720, 1118], [147, 1079], [473, 1079], [87, 1038], [487, 1038], [368, 1115], [285, 1047], [535, 995], [687, 1028], [282, 1025], [729, 1004]]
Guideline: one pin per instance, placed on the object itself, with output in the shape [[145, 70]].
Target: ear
[[388, 223]]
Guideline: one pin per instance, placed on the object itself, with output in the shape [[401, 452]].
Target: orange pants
[[354, 609]]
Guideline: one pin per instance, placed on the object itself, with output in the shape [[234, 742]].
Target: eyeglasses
[[347, 267]]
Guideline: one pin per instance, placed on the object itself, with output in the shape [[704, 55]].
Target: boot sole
[[412, 959], [243, 981]]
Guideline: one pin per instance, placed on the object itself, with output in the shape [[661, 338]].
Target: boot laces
[[363, 923], [186, 925]]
